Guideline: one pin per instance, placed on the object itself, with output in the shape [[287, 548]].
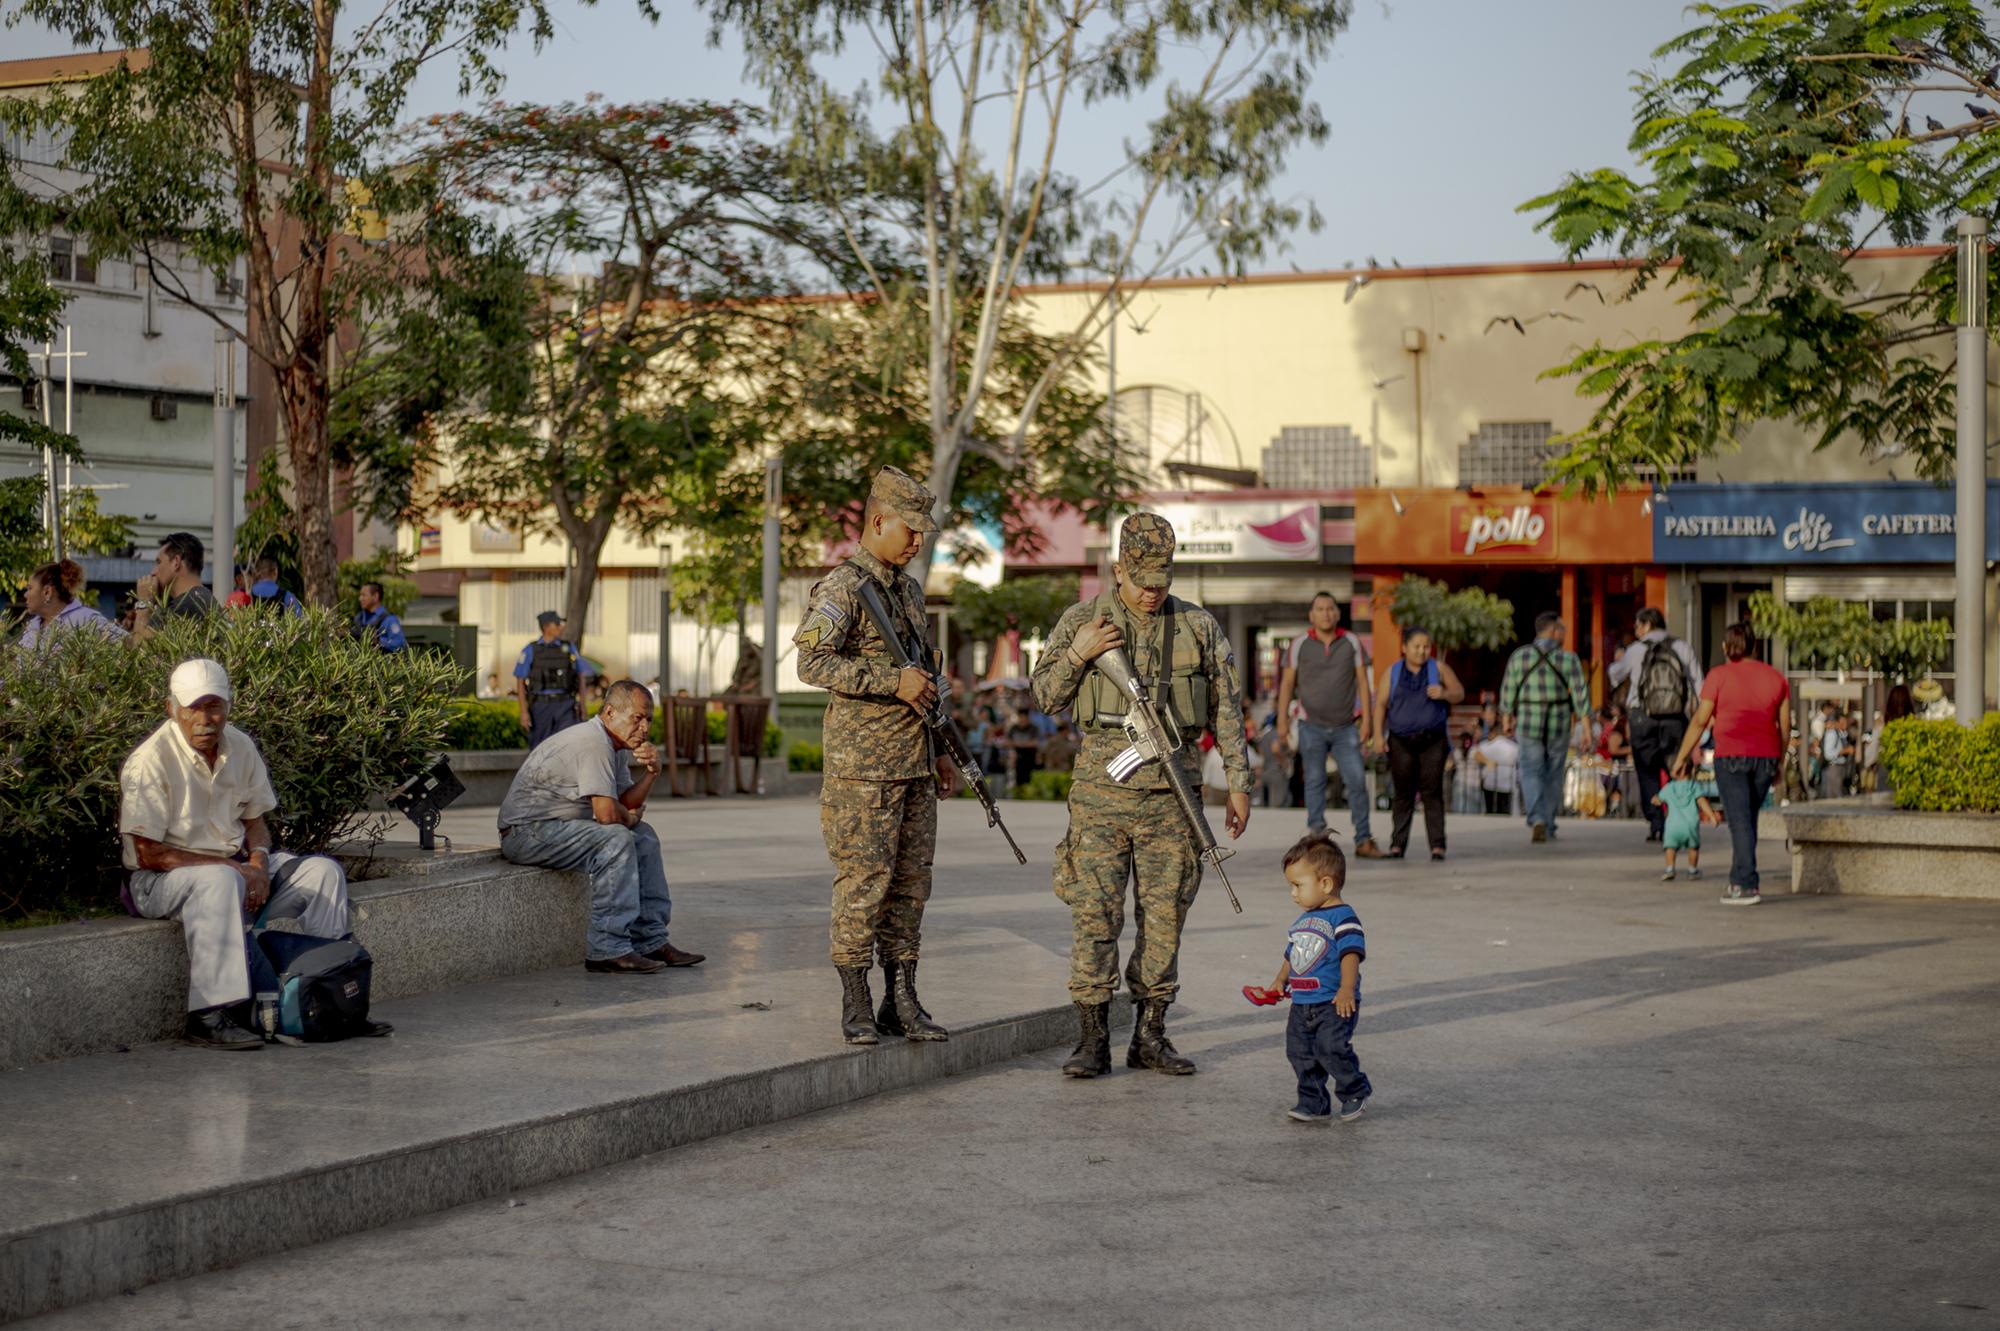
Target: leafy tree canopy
[[1470, 617], [1776, 141]]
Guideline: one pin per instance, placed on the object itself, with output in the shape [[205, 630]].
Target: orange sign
[[1498, 525], [1504, 531]]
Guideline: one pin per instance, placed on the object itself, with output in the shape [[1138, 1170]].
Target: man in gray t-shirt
[[1327, 672], [575, 804]]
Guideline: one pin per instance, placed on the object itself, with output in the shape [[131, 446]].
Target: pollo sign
[[1517, 531]]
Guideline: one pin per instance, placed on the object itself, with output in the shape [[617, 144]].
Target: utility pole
[[1969, 619], [666, 629], [222, 554], [774, 491]]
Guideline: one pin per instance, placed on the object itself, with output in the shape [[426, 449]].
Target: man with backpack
[[548, 679], [1545, 691], [1663, 680]]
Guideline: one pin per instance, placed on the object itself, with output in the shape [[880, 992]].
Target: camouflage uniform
[[1134, 830], [878, 800]]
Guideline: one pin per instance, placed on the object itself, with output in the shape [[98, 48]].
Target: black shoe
[[856, 1026], [1150, 1046], [214, 1029], [906, 1016], [1092, 1055], [1654, 835], [629, 964]]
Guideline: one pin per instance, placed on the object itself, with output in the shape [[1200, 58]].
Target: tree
[[1785, 139], [1829, 634], [252, 132], [1029, 605], [972, 176], [1470, 617]]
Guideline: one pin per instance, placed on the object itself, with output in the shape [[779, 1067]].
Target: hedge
[[338, 724], [1045, 785], [478, 725], [1941, 766], [806, 757]]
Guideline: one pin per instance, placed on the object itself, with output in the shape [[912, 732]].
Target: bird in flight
[[1508, 319], [1591, 287], [1354, 284]]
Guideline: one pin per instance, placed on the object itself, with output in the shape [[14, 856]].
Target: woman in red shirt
[[1745, 702]]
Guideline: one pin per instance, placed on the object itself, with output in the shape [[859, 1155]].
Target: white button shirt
[[169, 794]]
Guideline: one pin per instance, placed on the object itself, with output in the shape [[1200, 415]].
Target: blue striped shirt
[[1317, 941]]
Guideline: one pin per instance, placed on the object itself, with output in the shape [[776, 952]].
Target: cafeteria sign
[[1910, 522], [1244, 533]]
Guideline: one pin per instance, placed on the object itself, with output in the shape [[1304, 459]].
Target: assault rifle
[[1153, 739], [938, 720]]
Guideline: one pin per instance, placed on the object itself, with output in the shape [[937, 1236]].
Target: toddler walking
[[1687, 806], [1321, 973]]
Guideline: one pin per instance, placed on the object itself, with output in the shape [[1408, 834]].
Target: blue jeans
[[1344, 742], [1542, 767], [1319, 1041], [629, 905], [1743, 783]]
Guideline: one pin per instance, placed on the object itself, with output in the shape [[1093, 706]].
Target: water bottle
[[267, 1015]]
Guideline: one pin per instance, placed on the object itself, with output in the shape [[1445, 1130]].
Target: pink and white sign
[[1249, 533]]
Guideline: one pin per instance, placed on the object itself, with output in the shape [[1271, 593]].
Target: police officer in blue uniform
[[548, 679], [375, 623]]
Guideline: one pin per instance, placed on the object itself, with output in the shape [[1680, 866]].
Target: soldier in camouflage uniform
[[1135, 831], [878, 802]]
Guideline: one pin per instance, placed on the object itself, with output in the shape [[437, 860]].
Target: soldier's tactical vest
[[1183, 696]]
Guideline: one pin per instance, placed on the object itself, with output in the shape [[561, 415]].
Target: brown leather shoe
[[1368, 850], [631, 964], [669, 955]]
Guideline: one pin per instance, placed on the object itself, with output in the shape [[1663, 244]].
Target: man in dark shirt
[[174, 587]]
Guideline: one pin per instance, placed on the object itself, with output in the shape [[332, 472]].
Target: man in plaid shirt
[[1545, 692]]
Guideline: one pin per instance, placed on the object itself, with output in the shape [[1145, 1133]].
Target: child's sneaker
[[1351, 1110], [1667, 877], [1694, 873], [1301, 1116]]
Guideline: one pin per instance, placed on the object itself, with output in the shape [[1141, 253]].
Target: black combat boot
[[901, 1013], [1092, 1055], [1150, 1046], [855, 1024]]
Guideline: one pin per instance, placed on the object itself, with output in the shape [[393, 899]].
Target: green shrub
[[482, 725], [1045, 786], [338, 724], [1941, 766], [806, 757]]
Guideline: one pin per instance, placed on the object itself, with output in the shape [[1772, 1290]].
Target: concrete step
[[118, 1170]]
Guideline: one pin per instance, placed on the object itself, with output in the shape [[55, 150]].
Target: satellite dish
[[1172, 425]]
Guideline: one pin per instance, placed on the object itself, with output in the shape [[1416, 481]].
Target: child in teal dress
[[1687, 806]]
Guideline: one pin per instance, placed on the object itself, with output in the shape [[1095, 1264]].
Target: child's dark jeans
[[1319, 1042]]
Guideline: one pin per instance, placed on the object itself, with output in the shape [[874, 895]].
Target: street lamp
[[1969, 660]]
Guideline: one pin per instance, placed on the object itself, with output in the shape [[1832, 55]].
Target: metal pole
[[1111, 375], [51, 491], [666, 626], [774, 489], [222, 553], [1969, 620]]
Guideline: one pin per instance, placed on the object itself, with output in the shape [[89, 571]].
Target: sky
[[1445, 114]]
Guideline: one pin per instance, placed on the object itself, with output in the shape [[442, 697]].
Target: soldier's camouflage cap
[[899, 493], [1146, 550]]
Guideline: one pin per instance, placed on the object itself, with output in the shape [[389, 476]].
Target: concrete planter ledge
[[486, 774], [432, 922], [1869, 847]]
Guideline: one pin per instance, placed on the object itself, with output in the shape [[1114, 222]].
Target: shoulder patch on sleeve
[[824, 622]]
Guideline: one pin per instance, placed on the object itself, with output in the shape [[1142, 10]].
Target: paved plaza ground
[[1602, 1101]]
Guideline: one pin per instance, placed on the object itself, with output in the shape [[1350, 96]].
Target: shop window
[[1318, 457], [1507, 453]]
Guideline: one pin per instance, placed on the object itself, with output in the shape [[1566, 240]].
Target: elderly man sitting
[[191, 816], [575, 804]]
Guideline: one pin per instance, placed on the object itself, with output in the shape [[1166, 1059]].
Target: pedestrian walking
[[548, 681], [1836, 756], [878, 800], [1744, 700], [1662, 679], [1544, 690], [1411, 709], [1685, 803], [374, 622], [1134, 832], [1327, 672], [1321, 974], [1498, 758], [264, 589]]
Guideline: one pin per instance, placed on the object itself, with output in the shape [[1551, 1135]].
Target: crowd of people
[[55, 602]]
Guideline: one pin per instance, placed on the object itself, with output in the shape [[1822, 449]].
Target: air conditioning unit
[[164, 408]]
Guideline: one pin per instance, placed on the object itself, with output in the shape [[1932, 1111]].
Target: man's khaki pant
[[208, 900]]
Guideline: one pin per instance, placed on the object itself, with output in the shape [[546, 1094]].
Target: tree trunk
[[304, 398], [586, 539], [947, 451]]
